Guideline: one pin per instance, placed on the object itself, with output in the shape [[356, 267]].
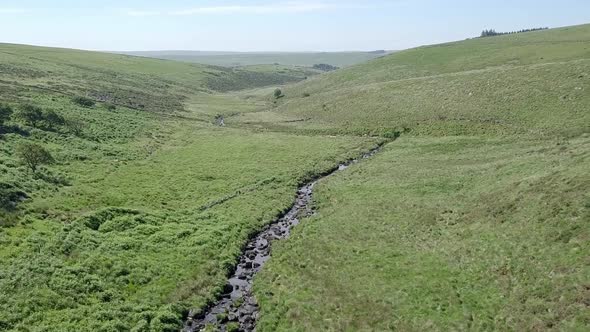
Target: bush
[[5, 113], [31, 114], [278, 93], [392, 134], [325, 67], [34, 155], [306, 94], [10, 196], [83, 101]]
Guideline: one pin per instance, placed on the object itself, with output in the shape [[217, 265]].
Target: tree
[[278, 93], [34, 155], [76, 126], [53, 119], [31, 114], [5, 113]]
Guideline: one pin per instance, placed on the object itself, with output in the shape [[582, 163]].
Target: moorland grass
[[441, 234], [477, 219], [532, 83]]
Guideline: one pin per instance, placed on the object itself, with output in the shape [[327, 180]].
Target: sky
[[263, 25]]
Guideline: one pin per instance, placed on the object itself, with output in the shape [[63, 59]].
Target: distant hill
[[516, 83], [235, 59], [141, 83]]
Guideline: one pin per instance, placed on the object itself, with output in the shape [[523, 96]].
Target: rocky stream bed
[[236, 309]]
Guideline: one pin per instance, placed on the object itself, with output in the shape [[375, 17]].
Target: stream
[[237, 305]]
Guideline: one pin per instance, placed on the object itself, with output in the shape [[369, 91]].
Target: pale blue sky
[[261, 25]]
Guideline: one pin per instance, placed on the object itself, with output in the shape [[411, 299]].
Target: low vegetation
[[324, 67], [441, 234]]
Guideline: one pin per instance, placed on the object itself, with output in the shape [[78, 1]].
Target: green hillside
[[141, 83], [533, 83], [477, 218]]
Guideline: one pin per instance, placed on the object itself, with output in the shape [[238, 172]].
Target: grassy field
[[229, 59], [444, 234], [476, 218]]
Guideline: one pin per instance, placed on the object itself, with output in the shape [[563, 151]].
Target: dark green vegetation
[[229, 59], [493, 32], [475, 218], [121, 204]]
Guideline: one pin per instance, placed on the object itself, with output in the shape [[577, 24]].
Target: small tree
[[5, 113], [34, 155], [31, 114], [53, 119], [278, 93], [76, 126]]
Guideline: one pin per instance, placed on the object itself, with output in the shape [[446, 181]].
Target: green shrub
[[392, 134], [52, 119], [83, 101], [10, 196], [278, 93]]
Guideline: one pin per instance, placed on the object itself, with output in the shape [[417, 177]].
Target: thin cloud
[[270, 8], [290, 7]]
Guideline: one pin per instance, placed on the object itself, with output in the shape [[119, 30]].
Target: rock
[[262, 244], [228, 288]]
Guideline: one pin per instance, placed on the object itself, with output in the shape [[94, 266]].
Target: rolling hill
[[238, 59], [476, 218], [532, 82], [473, 216]]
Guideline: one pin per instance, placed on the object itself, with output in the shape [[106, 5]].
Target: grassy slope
[[144, 212], [142, 83], [339, 59], [476, 220], [525, 83]]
